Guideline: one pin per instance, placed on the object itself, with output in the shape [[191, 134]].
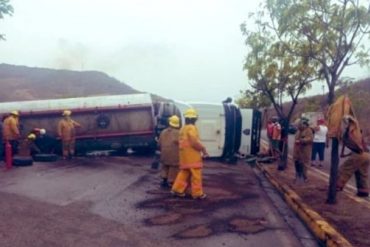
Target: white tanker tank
[[116, 122], [119, 122]]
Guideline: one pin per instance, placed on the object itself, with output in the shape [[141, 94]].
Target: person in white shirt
[[320, 140]]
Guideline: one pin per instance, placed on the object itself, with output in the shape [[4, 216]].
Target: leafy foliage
[[331, 32], [249, 99], [5, 9], [273, 71]]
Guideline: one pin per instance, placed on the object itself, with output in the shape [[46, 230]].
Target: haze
[[186, 50]]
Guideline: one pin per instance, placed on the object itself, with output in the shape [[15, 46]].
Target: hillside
[[25, 83], [358, 92]]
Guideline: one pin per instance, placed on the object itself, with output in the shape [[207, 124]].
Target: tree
[[333, 33], [5, 9], [274, 73], [249, 99]]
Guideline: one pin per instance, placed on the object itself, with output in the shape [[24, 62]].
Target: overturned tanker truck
[[132, 121]]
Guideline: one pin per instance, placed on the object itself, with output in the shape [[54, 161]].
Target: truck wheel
[[22, 161], [45, 157]]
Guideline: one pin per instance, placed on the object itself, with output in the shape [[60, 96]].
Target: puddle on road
[[236, 224], [165, 219], [200, 231], [247, 226], [225, 191]]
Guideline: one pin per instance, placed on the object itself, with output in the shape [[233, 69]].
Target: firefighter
[[11, 131], [169, 146], [358, 160], [191, 151], [67, 133], [276, 137], [302, 149], [28, 147], [269, 131]]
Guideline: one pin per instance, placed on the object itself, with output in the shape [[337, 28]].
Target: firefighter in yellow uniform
[[28, 147], [358, 161], [190, 159], [169, 146], [67, 133], [303, 149], [11, 131]]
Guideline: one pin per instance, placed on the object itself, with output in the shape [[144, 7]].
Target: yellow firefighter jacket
[[10, 129], [66, 129], [27, 147], [303, 149], [169, 146], [190, 147]]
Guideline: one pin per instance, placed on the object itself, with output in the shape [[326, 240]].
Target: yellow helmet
[[66, 113], [191, 113], [31, 136], [174, 121], [15, 113]]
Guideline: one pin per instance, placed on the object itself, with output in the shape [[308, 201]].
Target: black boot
[[164, 183], [362, 194]]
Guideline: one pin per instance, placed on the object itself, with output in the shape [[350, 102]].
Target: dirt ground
[[349, 217]]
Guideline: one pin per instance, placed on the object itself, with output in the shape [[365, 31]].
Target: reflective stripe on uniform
[[184, 144]]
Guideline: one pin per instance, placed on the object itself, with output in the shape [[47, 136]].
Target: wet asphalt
[[117, 201]]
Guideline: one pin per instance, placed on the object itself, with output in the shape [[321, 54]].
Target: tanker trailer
[[116, 122]]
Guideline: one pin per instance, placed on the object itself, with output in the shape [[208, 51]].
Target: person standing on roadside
[[269, 130], [169, 146], [302, 149], [11, 131], [67, 133], [191, 151], [276, 137], [320, 141], [358, 160]]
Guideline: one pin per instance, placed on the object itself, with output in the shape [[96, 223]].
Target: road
[[116, 201]]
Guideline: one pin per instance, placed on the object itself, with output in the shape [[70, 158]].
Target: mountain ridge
[[18, 82]]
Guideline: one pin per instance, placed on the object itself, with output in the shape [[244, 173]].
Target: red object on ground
[[8, 156]]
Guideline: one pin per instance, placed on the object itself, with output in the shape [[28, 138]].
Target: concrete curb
[[318, 225]]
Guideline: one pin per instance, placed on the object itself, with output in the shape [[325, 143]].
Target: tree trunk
[[331, 95], [284, 149], [283, 162], [332, 192]]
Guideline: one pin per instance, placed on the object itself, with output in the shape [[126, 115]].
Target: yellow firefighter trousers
[[357, 164], [68, 147], [182, 182]]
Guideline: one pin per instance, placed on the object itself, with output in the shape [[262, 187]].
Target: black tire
[[45, 157], [22, 161]]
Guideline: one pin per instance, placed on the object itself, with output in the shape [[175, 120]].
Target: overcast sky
[[186, 50]]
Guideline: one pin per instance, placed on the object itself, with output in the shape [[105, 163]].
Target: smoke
[[70, 55]]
